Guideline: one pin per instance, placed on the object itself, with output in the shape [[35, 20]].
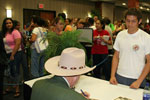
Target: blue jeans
[[128, 81], [15, 67], [37, 64]]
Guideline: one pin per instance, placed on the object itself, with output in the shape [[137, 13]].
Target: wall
[[74, 8], [108, 10], [145, 15], [119, 13]]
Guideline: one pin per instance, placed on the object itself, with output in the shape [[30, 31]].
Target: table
[[101, 89]]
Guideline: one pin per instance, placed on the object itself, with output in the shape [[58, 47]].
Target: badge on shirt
[[136, 47]]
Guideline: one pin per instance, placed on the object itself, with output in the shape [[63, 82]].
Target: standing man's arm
[[144, 73], [115, 62]]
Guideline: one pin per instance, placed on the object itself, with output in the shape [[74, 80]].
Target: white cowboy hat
[[70, 63]]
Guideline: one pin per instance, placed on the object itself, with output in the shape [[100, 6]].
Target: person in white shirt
[[95, 19], [37, 57], [108, 29], [131, 60], [91, 23]]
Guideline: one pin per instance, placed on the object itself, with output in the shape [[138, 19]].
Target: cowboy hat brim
[[51, 66]]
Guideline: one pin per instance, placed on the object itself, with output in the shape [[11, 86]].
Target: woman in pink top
[[12, 41], [24, 50]]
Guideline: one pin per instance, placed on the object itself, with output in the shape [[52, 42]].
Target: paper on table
[[106, 37], [93, 99], [122, 98]]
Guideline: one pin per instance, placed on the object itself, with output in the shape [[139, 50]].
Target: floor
[[10, 96]]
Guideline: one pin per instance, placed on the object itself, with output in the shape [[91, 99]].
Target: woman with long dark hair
[[23, 49], [12, 41], [100, 49]]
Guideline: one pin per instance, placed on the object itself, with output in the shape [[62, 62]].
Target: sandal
[[7, 91], [17, 94]]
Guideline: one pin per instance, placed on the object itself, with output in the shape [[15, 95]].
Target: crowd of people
[[130, 51]]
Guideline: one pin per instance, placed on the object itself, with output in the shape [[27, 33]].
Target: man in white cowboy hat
[[67, 69]]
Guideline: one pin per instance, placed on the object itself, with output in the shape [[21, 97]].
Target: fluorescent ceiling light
[[65, 11], [141, 7], [9, 13], [124, 4]]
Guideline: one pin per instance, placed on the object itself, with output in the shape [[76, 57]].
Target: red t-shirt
[[97, 47]]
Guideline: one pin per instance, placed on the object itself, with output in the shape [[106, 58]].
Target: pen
[[83, 93]]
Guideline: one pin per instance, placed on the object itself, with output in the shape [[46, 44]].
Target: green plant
[[95, 12], [58, 43]]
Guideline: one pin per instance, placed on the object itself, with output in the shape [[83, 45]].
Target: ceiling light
[[65, 11], [9, 13], [124, 4], [89, 14], [141, 7], [147, 20], [147, 9]]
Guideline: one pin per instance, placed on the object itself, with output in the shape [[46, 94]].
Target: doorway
[[45, 14]]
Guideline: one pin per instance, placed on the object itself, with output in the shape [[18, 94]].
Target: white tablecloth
[[101, 89]]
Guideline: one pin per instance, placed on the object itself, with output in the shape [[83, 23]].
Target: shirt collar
[[66, 81]]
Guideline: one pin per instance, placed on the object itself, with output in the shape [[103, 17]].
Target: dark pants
[[15, 66], [2, 67], [106, 67], [25, 66], [128, 81]]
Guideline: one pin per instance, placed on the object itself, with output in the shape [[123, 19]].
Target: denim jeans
[[128, 81], [37, 64], [15, 67]]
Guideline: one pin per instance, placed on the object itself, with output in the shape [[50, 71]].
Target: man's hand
[[113, 80], [86, 95], [135, 85]]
